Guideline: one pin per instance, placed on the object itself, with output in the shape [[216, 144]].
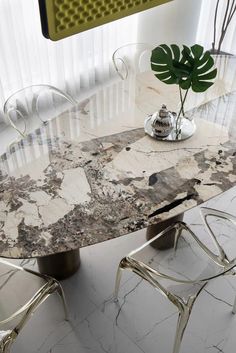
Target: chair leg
[[60, 292], [7, 342], [184, 314], [118, 278], [177, 235], [234, 306], [6, 348], [181, 326], [117, 283]]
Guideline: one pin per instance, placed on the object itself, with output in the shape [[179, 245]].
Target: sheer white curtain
[[73, 64], [206, 26]]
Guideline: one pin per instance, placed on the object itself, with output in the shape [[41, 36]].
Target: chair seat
[[17, 289], [188, 262]]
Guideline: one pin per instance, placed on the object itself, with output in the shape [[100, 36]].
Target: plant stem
[[222, 34], [225, 16], [229, 13], [215, 20], [232, 10], [181, 100], [178, 119]]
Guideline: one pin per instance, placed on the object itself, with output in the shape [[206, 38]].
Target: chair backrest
[[132, 59], [32, 106], [186, 261], [222, 228]]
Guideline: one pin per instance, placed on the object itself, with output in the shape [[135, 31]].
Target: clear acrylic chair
[[132, 59], [22, 291], [179, 273], [33, 106]]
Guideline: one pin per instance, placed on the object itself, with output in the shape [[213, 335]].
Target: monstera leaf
[[191, 67]]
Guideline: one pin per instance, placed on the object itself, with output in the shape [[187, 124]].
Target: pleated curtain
[[73, 64]]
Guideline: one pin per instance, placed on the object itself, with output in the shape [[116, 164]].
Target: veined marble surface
[[91, 174]]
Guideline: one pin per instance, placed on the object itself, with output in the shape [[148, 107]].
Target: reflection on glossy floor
[[143, 321]]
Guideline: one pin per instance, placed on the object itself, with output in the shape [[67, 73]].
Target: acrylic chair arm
[[7, 113], [115, 60], [58, 92], [179, 226], [67, 96], [206, 212], [218, 260], [157, 274], [130, 56], [38, 296]]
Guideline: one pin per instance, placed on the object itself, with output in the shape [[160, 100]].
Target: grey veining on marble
[[59, 193]]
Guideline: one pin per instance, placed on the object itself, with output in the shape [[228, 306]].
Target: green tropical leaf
[[176, 51], [201, 86], [186, 52], [166, 49], [207, 66], [159, 68], [163, 76], [181, 68], [168, 81], [208, 76], [185, 84], [206, 56], [189, 67], [161, 63], [197, 51]]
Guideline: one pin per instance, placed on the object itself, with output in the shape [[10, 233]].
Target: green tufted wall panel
[[63, 18]]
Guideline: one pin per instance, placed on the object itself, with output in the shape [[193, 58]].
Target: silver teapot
[[163, 122]]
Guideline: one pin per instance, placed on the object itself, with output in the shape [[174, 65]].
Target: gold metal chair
[[21, 292], [33, 106], [182, 271], [132, 58]]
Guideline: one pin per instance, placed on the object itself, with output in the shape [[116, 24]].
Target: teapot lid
[[163, 112]]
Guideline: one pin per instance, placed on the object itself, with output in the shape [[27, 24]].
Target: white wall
[[173, 22]]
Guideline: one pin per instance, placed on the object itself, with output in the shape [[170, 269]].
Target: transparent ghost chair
[[22, 291], [33, 106], [132, 59], [179, 273]]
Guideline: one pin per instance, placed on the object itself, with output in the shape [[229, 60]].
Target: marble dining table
[[92, 174]]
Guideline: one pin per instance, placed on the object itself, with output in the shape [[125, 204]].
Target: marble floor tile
[[96, 276], [140, 309], [96, 334], [143, 320]]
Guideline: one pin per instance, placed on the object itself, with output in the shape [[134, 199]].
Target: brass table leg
[[167, 240], [61, 265]]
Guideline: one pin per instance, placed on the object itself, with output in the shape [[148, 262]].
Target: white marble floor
[[143, 320]]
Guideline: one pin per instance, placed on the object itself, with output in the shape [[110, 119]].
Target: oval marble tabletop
[[92, 174]]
